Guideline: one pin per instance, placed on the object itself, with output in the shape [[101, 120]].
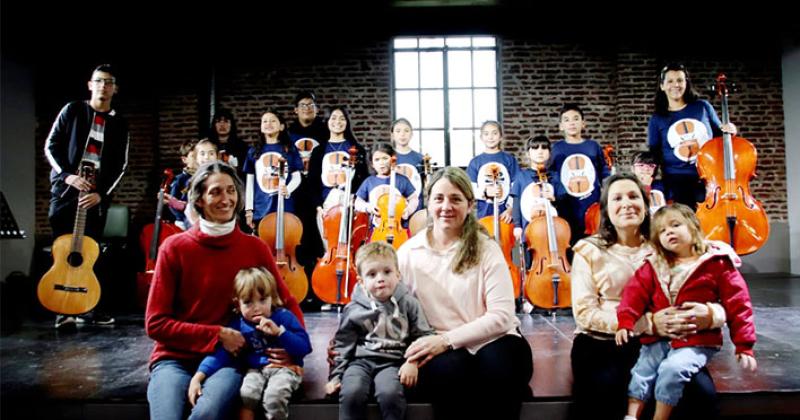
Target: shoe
[[94, 318], [326, 307], [64, 321]]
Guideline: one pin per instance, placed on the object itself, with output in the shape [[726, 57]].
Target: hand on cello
[[729, 128], [248, 216]]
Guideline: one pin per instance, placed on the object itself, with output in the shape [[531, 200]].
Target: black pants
[[490, 384], [63, 221], [685, 189], [602, 371]]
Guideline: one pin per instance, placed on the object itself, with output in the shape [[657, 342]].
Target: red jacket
[[714, 279], [191, 297]]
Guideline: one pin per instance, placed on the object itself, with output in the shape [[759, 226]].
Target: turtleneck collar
[[217, 229]]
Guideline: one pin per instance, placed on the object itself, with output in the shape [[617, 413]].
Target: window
[[446, 87]]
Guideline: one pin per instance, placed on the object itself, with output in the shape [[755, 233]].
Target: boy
[[645, 168], [179, 189], [376, 328], [580, 167]]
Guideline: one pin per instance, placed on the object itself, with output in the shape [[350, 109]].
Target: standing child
[[480, 173], [685, 268], [645, 168], [409, 161], [262, 167], [179, 190], [375, 330], [379, 184], [580, 167], [205, 151], [265, 324]]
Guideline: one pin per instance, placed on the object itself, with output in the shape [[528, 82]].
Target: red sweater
[[715, 279], [191, 294]]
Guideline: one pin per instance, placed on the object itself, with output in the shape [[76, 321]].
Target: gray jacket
[[369, 328]]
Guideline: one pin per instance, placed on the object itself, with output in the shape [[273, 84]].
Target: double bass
[[548, 284], [70, 287], [592, 217], [501, 231], [344, 230], [391, 205], [730, 213], [281, 231]]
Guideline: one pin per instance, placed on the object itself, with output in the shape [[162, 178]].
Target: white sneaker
[[64, 321]]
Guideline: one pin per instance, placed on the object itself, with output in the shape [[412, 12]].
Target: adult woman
[[601, 267], [681, 124], [191, 298], [478, 365]]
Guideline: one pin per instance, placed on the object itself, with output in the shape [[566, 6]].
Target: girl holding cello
[[479, 167], [262, 169], [677, 130], [409, 161], [381, 184]]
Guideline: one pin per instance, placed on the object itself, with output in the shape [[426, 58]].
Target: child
[[580, 166], [529, 192], [685, 268], [262, 166], [409, 161], [376, 328], [179, 189], [479, 171], [264, 325], [205, 151], [379, 184], [645, 168]]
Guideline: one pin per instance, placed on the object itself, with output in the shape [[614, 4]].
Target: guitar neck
[[79, 228]]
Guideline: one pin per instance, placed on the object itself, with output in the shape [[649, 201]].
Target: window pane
[[431, 69], [484, 69], [461, 146], [405, 70], [431, 42], [460, 108], [407, 106], [459, 69], [433, 144], [405, 42], [458, 41], [432, 112], [483, 41], [485, 105], [479, 147]]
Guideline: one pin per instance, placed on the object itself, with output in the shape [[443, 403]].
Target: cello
[[592, 217], [281, 231], [419, 219], [730, 213], [344, 230], [70, 287], [153, 234], [391, 209], [502, 232], [548, 284]]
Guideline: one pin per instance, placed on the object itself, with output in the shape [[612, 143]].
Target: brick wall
[[615, 86]]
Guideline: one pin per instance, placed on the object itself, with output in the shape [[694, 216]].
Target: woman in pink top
[[478, 365]]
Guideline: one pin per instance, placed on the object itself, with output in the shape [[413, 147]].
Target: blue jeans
[[169, 385], [668, 369]]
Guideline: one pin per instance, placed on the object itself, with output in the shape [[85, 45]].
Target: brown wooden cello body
[[344, 230], [503, 233], [392, 206], [281, 231], [548, 284], [730, 213], [591, 219]]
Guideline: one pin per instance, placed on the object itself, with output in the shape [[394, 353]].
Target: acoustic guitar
[[70, 287]]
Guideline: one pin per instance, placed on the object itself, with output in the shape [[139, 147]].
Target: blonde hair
[[374, 250], [256, 279], [686, 216], [469, 251]]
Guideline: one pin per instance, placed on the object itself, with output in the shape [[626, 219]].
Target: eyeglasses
[[307, 106], [539, 146], [103, 81], [650, 166]]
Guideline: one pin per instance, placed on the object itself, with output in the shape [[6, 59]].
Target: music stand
[[8, 225]]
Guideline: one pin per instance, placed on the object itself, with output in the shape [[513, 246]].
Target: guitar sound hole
[[75, 259]]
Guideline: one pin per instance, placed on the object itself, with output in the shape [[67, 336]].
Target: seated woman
[[478, 365], [191, 299], [601, 267]]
